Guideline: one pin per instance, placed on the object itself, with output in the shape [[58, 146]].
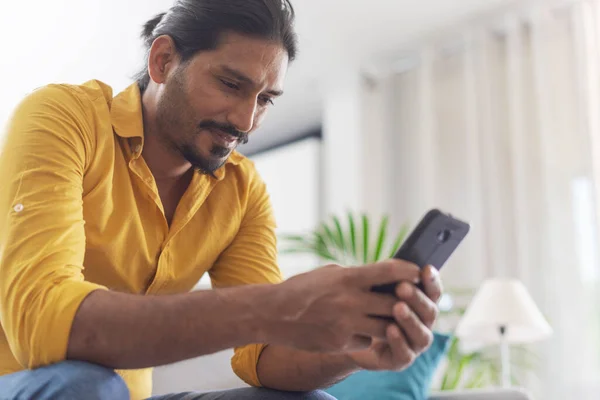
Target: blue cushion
[[412, 383]]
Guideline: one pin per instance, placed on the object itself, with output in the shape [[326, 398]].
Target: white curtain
[[499, 123]]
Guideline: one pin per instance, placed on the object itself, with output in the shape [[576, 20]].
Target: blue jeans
[[74, 380]]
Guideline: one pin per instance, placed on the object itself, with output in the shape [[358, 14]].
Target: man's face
[[211, 103]]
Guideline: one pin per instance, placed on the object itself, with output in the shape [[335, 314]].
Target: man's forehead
[[254, 61], [249, 80]]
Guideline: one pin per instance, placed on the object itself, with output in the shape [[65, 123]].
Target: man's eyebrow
[[243, 78]]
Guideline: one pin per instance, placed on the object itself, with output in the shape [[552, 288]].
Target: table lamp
[[502, 312]]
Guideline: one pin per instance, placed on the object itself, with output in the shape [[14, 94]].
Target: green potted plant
[[356, 240]]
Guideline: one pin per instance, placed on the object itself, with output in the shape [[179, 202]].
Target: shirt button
[[137, 148], [18, 207]]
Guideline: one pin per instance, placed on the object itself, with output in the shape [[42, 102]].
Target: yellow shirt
[[75, 193]]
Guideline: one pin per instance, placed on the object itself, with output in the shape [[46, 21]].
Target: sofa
[[483, 394]]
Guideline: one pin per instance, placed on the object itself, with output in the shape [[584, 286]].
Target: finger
[[376, 304], [402, 354], [431, 283], [418, 336], [418, 302], [372, 327], [383, 272]]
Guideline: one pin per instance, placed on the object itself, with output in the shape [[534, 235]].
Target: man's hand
[[415, 314], [331, 309]]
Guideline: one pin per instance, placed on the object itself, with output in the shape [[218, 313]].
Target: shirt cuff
[[51, 333], [245, 361]]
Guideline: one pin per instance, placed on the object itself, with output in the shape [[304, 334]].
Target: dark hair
[[196, 25]]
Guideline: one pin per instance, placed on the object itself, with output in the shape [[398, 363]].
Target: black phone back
[[432, 242]]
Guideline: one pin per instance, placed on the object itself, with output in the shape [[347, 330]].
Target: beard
[[202, 164], [177, 128]]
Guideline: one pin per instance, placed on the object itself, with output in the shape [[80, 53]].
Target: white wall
[[293, 177], [357, 146], [69, 41], [343, 156], [358, 149]]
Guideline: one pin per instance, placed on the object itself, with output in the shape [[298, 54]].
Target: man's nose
[[243, 115]]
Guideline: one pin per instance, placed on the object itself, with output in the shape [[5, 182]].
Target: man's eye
[[267, 100], [230, 85]]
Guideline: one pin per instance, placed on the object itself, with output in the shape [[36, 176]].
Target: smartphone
[[432, 242]]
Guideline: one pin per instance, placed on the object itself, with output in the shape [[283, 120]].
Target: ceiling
[[73, 41]]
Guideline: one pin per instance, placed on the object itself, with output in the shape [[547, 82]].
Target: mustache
[[225, 128]]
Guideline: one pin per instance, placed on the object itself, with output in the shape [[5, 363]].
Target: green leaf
[[380, 239], [331, 238], [465, 361], [332, 241], [462, 363], [399, 239], [455, 311], [352, 235], [365, 226], [340, 238], [293, 238], [495, 373], [451, 356], [309, 247], [323, 248], [477, 380], [298, 249]]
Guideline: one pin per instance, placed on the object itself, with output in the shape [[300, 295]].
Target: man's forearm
[[284, 368], [132, 331]]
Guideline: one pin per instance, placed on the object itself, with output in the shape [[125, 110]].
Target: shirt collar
[[127, 120]]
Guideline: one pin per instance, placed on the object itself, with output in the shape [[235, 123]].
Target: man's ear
[[162, 59]]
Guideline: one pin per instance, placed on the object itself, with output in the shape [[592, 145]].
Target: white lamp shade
[[503, 303]]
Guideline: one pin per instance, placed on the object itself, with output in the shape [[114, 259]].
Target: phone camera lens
[[443, 236]]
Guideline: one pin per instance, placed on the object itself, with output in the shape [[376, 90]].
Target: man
[[146, 192]]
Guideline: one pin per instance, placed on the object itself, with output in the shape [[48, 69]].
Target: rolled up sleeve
[[42, 237], [250, 259]]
